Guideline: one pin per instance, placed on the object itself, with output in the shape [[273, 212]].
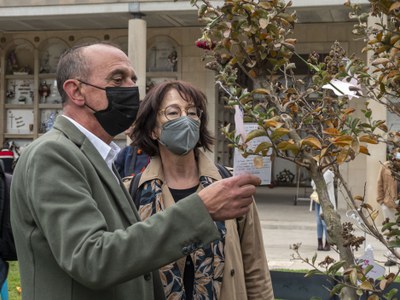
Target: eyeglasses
[[174, 111]]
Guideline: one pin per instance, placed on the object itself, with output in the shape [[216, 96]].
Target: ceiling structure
[[156, 14]]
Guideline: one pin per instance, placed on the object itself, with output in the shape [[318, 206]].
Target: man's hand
[[230, 198]]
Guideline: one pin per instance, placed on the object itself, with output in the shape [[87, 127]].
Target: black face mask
[[123, 105]]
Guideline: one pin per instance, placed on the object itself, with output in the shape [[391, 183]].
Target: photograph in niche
[[50, 56]]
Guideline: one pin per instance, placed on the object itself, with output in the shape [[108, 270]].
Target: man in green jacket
[[77, 233]]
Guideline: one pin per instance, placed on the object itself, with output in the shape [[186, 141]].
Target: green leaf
[[391, 294], [279, 132], [314, 258], [254, 134], [353, 276], [335, 267], [312, 273], [263, 147], [368, 268], [336, 289], [387, 226]]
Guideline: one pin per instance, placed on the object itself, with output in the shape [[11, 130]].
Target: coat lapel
[[120, 196]]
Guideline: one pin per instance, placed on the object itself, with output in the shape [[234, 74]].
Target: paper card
[[367, 259], [253, 164]]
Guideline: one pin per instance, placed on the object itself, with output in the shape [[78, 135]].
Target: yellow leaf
[[368, 139], [394, 6], [252, 74], [263, 147], [287, 145], [380, 61], [328, 122], [383, 127], [374, 214], [348, 110], [344, 140], [359, 198], [341, 143], [367, 206], [364, 150], [254, 133], [381, 49], [265, 5], [366, 285], [271, 123], [331, 131], [312, 142], [233, 61], [261, 91], [279, 132], [342, 156], [249, 49], [258, 162], [291, 41], [383, 284], [394, 39]]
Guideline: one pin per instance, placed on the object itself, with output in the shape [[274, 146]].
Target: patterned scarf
[[208, 261]]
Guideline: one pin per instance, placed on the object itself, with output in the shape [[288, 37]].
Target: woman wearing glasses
[[171, 127]]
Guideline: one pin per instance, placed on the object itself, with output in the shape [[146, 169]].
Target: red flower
[[205, 44]]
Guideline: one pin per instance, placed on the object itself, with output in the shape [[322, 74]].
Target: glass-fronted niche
[[29, 98], [163, 60]]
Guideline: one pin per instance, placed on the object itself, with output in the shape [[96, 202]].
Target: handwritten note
[[253, 164]]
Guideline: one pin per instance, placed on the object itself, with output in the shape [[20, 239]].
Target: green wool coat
[[77, 233]]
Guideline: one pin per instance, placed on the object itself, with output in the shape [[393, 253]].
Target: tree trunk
[[334, 227], [331, 217]]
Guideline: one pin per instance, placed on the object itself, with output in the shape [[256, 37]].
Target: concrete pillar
[[137, 46], [378, 152]]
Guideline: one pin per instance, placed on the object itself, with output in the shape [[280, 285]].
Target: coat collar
[[155, 169], [103, 171]]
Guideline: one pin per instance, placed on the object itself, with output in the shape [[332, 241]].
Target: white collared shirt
[[107, 152]]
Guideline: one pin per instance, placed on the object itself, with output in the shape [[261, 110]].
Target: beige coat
[[387, 187], [246, 273]]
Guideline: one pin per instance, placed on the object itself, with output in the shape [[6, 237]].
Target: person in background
[[388, 188], [7, 157], [131, 160], [77, 233], [172, 128], [329, 177]]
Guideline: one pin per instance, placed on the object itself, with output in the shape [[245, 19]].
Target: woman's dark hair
[[146, 120]]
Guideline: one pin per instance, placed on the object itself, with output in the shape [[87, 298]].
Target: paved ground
[[284, 223]]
